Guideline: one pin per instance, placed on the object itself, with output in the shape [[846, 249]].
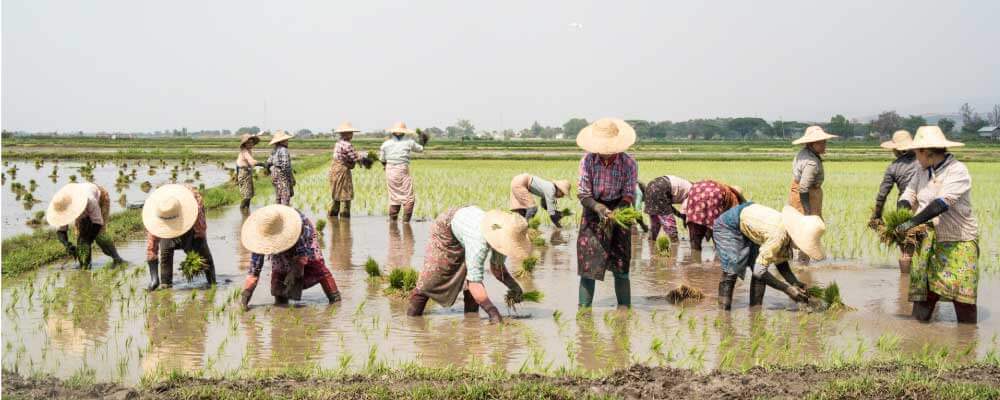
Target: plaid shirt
[[307, 246], [200, 227], [345, 153], [281, 162], [608, 182]]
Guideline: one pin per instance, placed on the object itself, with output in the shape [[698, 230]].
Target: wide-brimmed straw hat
[[507, 233], [931, 137], [67, 205], [271, 229], [400, 127], [900, 140], [246, 137], [805, 231], [280, 136], [606, 136], [814, 134], [346, 127], [562, 185], [170, 211]]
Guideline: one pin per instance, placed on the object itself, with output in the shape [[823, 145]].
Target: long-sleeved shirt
[[951, 182], [898, 173], [307, 247], [245, 158], [281, 162], [679, 188], [607, 182], [93, 209], [546, 190], [397, 150], [345, 153], [465, 225], [807, 170], [762, 225], [200, 227]]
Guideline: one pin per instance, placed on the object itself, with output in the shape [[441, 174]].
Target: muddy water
[[16, 212], [67, 322]]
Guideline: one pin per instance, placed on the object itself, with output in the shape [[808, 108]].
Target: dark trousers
[[186, 242], [89, 234], [923, 310], [698, 233]]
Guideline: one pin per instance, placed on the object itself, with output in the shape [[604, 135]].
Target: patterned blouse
[[281, 162], [307, 246], [200, 227], [613, 181], [345, 153]]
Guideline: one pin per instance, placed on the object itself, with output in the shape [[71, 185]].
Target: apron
[[815, 199]]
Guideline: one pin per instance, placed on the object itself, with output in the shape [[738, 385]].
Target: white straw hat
[[67, 205], [271, 229], [506, 233], [280, 136], [813, 134], [805, 231], [170, 211], [931, 137], [563, 186], [900, 140], [345, 128], [400, 127], [606, 136]]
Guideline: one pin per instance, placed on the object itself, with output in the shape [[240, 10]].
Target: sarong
[[599, 249], [946, 268], [443, 276], [341, 182], [400, 184]]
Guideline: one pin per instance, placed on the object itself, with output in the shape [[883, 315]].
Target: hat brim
[[563, 186], [174, 227], [76, 207], [806, 231], [890, 145], [253, 139], [270, 244], [279, 139], [587, 141], [347, 131], [814, 138], [504, 240], [941, 144], [403, 131]]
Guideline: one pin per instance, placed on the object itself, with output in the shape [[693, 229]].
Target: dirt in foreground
[[880, 381]]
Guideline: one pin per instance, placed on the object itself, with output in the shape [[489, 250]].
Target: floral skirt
[[600, 248], [283, 189], [946, 268], [244, 180], [341, 182], [443, 276]]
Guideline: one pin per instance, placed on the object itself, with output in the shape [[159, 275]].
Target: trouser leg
[[330, 288], [334, 209], [83, 246], [654, 227], [108, 248], [697, 233], [670, 227], [418, 301], [166, 263], [530, 212], [726, 286], [280, 300], [966, 313], [521, 211], [200, 246], [345, 211], [394, 212], [470, 303], [623, 289], [586, 295], [923, 310], [245, 204], [906, 258]]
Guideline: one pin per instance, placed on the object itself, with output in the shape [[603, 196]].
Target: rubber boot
[[280, 301], [726, 286], [418, 301], [345, 212], [334, 210], [757, 288], [586, 297], [966, 313], [330, 288], [393, 213], [470, 303], [167, 276], [245, 298], [623, 289], [154, 274]]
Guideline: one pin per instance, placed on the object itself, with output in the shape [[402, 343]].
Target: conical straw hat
[[563, 186], [899, 141], [345, 128], [814, 134], [507, 233], [931, 137], [67, 205], [246, 137], [606, 136], [280, 136], [272, 229], [805, 231], [170, 211], [400, 127]]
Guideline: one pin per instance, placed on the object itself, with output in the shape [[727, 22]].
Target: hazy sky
[[150, 65]]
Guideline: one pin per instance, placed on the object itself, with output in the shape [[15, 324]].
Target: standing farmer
[[608, 178], [395, 156], [899, 173], [524, 188], [88, 207], [286, 237], [341, 181], [941, 192], [281, 168], [462, 241], [660, 196], [245, 164], [806, 193], [174, 217]]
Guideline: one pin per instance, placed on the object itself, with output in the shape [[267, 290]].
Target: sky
[[128, 65]]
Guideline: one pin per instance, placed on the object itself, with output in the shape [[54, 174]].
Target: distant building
[[989, 132]]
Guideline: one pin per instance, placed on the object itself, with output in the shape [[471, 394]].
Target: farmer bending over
[[660, 196], [88, 207], [174, 216], [524, 188]]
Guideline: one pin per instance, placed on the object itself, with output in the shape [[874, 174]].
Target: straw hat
[[606, 136], [280, 136], [170, 211], [899, 141], [271, 229], [246, 137], [931, 137], [400, 127], [67, 205], [814, 134], [506, 233], [562, 185], [805, 231], [346, 127]]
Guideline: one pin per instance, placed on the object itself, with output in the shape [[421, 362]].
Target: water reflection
[[400, 245]]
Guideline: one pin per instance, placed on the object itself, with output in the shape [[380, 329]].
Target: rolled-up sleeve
[[416, 147]]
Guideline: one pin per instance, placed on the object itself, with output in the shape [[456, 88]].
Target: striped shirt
[[465, 225], [397, 150], [613, 181], [762, 225]]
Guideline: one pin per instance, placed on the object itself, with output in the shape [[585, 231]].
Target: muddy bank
[[879, 381]]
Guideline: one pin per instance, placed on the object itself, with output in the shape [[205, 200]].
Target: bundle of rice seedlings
[[684, 292], [566, 211], [663, 246], [372, 268], [828, 297], [72, 178], [527, 266], [320, 226], [403, 279], [192, 265], [535, 222], [512, 301], [624, 217], [536, 237], [38, 219], [887, 229], [145, 186]]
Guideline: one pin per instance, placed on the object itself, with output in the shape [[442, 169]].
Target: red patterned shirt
[[345, 153], [606, 182]]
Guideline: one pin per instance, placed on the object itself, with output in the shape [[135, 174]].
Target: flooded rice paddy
[[102, 324]]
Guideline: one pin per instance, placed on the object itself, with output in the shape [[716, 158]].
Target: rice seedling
[[626, 216], [145, 186], [535, 222], [192, 265], [827, 298], [72, 178], [890, 221], [527, 267], [320, 227], [684, 292], [513, 300], [32, 185], [402, 281], [663, 246], [38, 219], [372, 268]]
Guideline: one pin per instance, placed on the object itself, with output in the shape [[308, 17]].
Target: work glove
[[423, 137], [516, 292], [602, 211], [902, 228], [556, 216]]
